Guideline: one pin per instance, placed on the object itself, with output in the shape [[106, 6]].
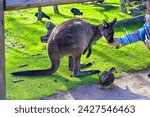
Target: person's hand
[[115, 43]]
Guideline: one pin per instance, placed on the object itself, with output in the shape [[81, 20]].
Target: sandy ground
[[132, 86]]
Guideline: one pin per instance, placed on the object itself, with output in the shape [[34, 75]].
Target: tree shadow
[[109, 58], [108, 7], [91, 19], [114, 3], [64, 16]]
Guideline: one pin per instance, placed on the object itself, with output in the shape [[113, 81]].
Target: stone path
[[132, 86]]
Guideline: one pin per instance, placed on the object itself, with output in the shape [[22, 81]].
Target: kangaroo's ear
[[114, 21], [105, 24]]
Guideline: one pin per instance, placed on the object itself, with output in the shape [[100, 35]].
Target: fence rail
[[21, 4]]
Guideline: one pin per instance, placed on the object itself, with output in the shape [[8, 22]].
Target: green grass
[[23, 46]]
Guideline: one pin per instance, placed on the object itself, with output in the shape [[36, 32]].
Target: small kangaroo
[[71, 38], [49, 26]]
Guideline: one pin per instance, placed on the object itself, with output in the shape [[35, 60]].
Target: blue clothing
[[145, 32], [142, 34], [138, 35], [129, 38]]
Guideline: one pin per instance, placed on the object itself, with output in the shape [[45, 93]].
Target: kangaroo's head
[[108, 30]]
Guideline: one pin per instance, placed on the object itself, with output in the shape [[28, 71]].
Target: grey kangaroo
[[71, 38], [50, 26]]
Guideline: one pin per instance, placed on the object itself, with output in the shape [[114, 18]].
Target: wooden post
[[39, 13], [56, 9], [123, 6], [128, 1], [2, 53], [22, 4]]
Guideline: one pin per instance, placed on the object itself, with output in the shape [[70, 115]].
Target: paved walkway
[[132, 86]]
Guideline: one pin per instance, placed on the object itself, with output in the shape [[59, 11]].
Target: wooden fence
[[13, 5], [21, 4]]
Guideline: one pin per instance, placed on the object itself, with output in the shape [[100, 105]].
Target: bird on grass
[[107, 78], [43, 15], [76, 11], [100, 1], [148, 74]]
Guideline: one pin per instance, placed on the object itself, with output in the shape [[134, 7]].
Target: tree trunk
[[128, 2], [122, 6], [56, 9], [39, 13]]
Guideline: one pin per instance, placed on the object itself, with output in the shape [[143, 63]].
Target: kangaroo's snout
[[111, 39]]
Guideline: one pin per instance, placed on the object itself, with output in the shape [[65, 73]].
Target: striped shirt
[[138, 35]]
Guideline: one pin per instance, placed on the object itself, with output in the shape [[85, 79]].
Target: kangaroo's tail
[[33, 73], [55, 60], [45, 72]]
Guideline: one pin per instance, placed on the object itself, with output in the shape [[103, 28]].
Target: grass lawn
[[23, 47]]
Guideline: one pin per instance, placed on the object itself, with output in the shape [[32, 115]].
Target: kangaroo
[[49, 26], [71, 38], [89, 47]]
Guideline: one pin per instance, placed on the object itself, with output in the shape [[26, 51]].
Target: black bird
[[100, 1], [148, 74], [76, 11], [107, 78], [43, 15]]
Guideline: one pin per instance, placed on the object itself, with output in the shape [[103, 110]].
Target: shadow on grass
[[91, 20], [18, 25], [108, 8], [63, 15], [112, 3], [110, 59], [18, 51]]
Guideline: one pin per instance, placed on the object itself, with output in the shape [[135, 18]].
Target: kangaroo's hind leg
[[76, 68], [70, 64]]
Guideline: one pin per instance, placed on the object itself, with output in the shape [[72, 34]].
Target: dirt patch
[[132, 86]]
